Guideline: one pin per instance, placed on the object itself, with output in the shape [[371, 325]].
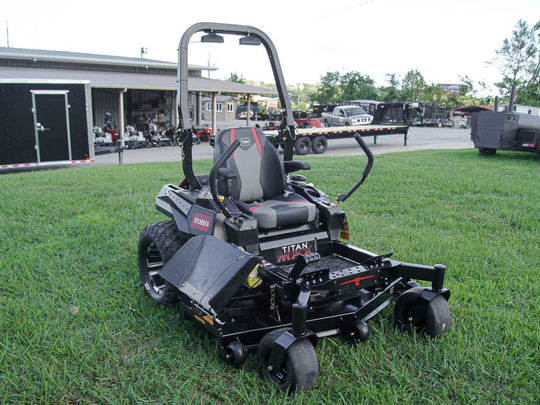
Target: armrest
[[295, 165], [226, 173]]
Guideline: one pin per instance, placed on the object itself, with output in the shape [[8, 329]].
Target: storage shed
[[45, 122]]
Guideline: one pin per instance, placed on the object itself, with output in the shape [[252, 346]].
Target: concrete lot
[[418, 139]]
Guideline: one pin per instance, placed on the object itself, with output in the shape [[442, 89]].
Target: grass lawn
[[76, 325]]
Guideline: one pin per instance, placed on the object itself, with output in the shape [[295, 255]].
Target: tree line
[[334, 87]]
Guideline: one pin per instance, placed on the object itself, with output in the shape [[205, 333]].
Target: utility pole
[[7, 33]]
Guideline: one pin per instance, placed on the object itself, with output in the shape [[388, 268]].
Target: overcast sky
[[442, 39]]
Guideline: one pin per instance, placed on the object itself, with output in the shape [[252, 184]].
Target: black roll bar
[[185, 130]]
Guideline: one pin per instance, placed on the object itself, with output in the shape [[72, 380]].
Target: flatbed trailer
[[316, 139]]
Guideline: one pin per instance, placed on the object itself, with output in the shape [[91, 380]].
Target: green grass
[[76, 325]]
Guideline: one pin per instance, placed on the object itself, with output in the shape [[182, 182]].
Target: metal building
[[130, 91]]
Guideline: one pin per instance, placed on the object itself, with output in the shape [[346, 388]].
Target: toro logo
[[245, 142], [201, 222], [290, 252]]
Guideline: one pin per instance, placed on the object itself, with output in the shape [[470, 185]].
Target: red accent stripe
[[254, 208], [256, 137]]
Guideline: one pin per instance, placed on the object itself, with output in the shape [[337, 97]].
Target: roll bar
[[251, 36]]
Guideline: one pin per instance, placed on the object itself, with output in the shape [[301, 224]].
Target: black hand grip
[[213, 177], [369, 165]]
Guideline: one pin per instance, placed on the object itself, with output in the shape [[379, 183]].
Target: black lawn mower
[[256, 254]]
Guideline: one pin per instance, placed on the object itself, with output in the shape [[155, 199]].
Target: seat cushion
[[284, 210], [256, 162], [257, 181]]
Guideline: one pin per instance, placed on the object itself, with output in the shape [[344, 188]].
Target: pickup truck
[[346, 115]]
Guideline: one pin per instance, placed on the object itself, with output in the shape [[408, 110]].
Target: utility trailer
[[430, 115], [316, 139], [45, 123], [505, 130], [388, 119]]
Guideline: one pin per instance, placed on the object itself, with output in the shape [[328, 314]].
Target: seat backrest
[[257, 164]]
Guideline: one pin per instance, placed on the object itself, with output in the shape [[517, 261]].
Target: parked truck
[[346, 115]]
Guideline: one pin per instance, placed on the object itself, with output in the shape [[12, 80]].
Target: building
[[225, 108], [452, 88], [128, 91]]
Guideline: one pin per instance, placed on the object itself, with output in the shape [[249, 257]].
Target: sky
[[444, 40]]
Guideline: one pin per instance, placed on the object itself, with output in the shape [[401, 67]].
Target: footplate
[[345, 280]]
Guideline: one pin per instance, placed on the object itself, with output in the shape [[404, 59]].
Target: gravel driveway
[[418, 139]]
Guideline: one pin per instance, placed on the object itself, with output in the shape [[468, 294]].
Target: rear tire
[[157, 243]]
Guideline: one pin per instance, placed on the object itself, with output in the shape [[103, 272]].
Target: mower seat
[[254, 177]]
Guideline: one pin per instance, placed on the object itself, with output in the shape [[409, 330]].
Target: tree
[[518, 60], [233, 77], [413, 85], [329, 91], [355, 86], [392, 92], [334, 87]]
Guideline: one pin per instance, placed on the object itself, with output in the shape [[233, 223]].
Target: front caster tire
[[412, 313], [157, 243], [300, 369]]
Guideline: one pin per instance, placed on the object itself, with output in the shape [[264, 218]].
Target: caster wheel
[[300, 369], [413, 313]]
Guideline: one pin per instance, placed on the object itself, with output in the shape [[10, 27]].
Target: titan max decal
[[290, 252]]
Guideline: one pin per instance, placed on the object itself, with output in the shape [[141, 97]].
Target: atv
[[258, 256]]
